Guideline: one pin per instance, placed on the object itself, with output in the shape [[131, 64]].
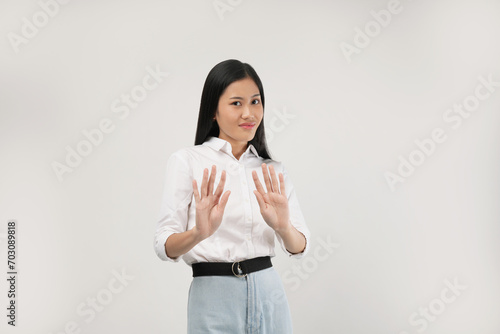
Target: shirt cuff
[[296, 255], [160, 247]]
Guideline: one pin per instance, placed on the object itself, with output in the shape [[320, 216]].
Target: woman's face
[[238, 105]]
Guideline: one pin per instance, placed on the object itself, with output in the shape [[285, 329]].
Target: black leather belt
[[238, 269]]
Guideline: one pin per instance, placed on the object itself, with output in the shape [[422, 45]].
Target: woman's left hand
[[274, 203]]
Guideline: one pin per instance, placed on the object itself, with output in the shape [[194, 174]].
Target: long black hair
[[219, 77]]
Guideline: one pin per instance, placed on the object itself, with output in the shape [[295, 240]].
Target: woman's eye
[[238, 103]]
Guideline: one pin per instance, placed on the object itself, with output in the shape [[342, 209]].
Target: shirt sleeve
[[177, 194], [296, 217]]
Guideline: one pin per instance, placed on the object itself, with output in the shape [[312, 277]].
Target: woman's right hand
[[209, 210]]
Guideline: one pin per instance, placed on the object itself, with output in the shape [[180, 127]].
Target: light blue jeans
[[256, 303]]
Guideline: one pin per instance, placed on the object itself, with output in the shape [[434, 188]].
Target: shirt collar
[[219, 144]]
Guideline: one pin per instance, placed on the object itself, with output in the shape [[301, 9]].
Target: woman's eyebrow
[[240, 98]]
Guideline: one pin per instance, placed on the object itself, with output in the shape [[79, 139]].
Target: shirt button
[[232, 168], [249, 238]]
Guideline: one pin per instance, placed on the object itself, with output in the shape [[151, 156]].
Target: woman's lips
[[247, 126]]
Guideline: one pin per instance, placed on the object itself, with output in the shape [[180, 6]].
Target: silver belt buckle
[[239, 269]]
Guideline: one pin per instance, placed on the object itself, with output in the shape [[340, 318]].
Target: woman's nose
[[246, 111]]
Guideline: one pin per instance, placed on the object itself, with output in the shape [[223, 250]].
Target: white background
[[352, 121]]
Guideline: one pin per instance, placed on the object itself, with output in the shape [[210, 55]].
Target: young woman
[[228, 239]]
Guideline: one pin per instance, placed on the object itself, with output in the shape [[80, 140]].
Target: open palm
[[209, 210], [273, 203]]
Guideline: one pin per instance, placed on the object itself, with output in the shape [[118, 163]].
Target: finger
[[211, 181], [196, 193], [204, 183], [258, 185], [274, 179], [282, 184], [266, 178]]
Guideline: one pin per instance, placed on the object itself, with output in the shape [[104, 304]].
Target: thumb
[[224, 199], [260, 199]]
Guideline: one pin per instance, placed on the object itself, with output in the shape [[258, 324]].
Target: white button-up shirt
[[243, 232]]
